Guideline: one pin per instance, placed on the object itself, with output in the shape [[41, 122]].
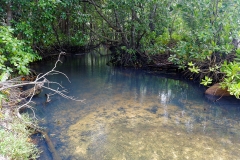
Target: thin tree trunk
[[56, 34], [120, 29], [84, 12], [133, 30], [9, 13], [151, 18], [68, 27]]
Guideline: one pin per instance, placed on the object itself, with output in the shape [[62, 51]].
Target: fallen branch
[[50, 145], [40, 82], [32, 91]]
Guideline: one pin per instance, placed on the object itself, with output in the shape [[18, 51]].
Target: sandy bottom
[[128, 128]]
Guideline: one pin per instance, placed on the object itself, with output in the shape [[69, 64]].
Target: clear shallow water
[[132, 115]]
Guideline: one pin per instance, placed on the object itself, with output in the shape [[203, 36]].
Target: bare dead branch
[[39, 83]]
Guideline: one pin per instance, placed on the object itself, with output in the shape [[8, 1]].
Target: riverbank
[[15, 141], [15, 127]]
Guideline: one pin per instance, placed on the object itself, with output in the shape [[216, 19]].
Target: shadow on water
[[130, 114]]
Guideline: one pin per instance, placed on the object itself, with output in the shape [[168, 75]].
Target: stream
[[131, 114]]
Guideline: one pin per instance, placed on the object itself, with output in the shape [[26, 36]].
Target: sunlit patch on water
[[129, 115]]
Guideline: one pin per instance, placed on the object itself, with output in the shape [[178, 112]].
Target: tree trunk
[[151, 17], [9, 13], [133, 29]]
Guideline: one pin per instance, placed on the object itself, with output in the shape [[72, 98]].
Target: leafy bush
[[232, 77], [14, 54]]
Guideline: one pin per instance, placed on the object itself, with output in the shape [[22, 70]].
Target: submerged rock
[[216, 90], [153, 109]]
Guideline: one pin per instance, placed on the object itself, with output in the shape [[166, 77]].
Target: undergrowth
[[15, 142]]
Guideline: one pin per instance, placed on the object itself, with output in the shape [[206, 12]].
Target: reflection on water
[[133, 115]]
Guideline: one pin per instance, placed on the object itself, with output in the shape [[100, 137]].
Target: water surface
[[133, 115]]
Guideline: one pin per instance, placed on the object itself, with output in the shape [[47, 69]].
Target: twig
[[40, 84]]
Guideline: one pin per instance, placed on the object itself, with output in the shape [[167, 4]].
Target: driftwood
[[50, 145], [32, 91]]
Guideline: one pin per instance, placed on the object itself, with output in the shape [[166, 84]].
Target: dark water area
[[131, 114]]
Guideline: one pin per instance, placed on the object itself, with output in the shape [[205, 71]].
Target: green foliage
[[15, 143], [232, 77], [156, 44], [177, 60], [78, 39], [209, 27], [193, 68], [47, 23], [14, 54], [237, 58], [206, 81]]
